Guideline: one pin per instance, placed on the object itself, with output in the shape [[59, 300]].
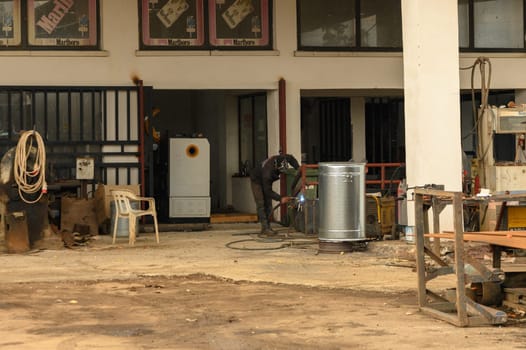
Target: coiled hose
[[30, 180]]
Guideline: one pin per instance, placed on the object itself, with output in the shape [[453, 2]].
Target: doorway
[[233, 121]]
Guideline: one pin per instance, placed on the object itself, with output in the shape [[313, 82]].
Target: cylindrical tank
[[341, 194]]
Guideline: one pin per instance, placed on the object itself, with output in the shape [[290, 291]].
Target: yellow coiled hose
[[32, 180]]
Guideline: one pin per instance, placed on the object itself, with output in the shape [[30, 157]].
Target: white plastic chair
[[123, 209]]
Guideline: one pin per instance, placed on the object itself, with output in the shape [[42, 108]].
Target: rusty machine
[[23, 189]]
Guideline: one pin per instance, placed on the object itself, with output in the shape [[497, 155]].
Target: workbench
[[459, 310]]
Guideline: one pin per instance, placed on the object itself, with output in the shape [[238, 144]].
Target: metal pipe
[[283, 136]]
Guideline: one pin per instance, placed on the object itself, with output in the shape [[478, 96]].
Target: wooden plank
[[507, 241], [513, 267], [451, 318], [493, 316], [232, 218], [459, 259], [435, 192], [420, 258], [488, 233]]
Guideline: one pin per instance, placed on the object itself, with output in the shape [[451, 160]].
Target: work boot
[[266, 229], [268, 232]]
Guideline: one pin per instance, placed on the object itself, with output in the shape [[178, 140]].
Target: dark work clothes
[[262, 177]]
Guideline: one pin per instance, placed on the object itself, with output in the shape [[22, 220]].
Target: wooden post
[[459, 260], [419, 239]]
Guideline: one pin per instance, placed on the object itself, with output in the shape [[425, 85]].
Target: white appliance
[[189, 178], [503, 176]]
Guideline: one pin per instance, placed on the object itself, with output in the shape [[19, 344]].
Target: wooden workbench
[[462, 311]]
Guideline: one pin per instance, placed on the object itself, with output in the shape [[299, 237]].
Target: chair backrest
[[122, 201]]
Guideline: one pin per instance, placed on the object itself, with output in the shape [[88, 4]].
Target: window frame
[[471, 33], [70, 44], [358, 37]]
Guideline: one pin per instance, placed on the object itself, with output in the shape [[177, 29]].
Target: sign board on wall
[[205, 24], [176, 23], [242, 23], [71, 23], [10, 34]]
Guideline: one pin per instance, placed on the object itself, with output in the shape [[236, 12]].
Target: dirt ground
[[192, 292]]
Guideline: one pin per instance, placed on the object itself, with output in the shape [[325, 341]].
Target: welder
[[262, 177]]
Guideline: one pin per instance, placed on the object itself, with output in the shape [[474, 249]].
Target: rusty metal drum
[[341, 193]]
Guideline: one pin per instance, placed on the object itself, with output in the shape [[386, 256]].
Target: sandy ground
[[193, 291]]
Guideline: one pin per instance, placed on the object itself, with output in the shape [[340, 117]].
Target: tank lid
[[341, 164]]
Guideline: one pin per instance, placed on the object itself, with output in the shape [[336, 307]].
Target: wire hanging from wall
[[484, 64]]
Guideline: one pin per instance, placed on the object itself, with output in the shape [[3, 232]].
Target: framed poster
[[62, 23], [240, 23], [172, 23], [10, 34]]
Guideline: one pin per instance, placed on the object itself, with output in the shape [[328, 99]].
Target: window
[[491, 25], [205, 24], [252, 130], [335, 24], [49, 24]]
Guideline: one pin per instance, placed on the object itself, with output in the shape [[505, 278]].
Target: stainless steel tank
[[341, 203]]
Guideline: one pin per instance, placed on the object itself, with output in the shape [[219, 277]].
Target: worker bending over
[[262, 177]]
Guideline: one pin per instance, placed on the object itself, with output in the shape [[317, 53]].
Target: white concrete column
[[358, 128], [431, 88]]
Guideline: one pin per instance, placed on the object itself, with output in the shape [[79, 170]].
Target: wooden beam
[[508, 239]]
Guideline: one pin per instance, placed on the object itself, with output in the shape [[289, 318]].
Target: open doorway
[[233, 122]]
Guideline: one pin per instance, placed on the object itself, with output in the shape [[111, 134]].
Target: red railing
[[383, 182]]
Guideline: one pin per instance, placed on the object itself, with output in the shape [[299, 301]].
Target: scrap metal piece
[[16, 234], [339, 247]]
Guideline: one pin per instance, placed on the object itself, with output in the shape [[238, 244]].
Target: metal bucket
[[123, 228], [341, 194], [409, 232]]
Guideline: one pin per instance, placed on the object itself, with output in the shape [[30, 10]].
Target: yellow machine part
[[384, 208], [516, 217]]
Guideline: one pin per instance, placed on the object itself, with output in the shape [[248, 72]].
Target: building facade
[[377, 81]]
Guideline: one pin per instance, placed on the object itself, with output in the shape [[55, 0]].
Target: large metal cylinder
[[341, 194]]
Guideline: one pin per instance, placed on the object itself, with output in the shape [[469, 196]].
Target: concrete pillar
[[431, 88], [358, 128]]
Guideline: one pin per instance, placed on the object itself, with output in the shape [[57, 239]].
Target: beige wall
[[226, 70]]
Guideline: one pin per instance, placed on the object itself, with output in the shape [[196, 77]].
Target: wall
[[235, 70]]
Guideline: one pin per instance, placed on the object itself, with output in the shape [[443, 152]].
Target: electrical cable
[[30, 180], [482, 148], [287, 243], [484, 90]]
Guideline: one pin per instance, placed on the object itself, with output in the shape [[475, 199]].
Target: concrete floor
[[384, 265]]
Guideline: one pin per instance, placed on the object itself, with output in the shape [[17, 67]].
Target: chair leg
[[131, 226], [115, 228], [156, 226]]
